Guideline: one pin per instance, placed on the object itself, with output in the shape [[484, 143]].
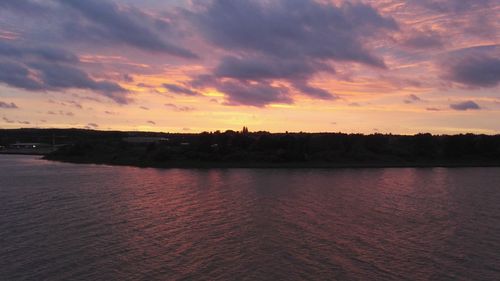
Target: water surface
[[63, 221]]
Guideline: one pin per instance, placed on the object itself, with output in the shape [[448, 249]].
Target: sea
[[61, 221]]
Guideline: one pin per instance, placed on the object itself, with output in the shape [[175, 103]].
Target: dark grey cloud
[[424, 40], [288, 40], [311, 91], [19, 76], [293, 28], [57, 77], [105, 21], [101, 21], [151, 122], [30, 7], [477, 70], [466, 105], [257, 94], [42, 68], [253, 68], [176, 89], [93, 125], [51, 54], [8, 105], [295, 71]]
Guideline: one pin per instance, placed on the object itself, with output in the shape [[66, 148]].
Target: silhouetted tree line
[[263, 147]]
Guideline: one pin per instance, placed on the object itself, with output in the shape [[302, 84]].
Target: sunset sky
[[386, 66]]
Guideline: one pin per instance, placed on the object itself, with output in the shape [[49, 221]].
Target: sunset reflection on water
[[65, 221]]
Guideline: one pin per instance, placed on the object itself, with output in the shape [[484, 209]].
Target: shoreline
[[43, 154], [284, 165]]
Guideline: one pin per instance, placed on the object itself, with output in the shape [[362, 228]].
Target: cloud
[[92, 125], [56, 76], [7, 120], [286, 40], [466, 105], [105, 21], [128, 78], [314, 92], [423, 40], [151, 122], [412, 99], [19, 76], [432, 109], [67, 103], [254, 68], [176, 89], [44, 76], [41, 68], [179, 108], [50, 54], [10, 121], [7, 105], [25, 6], [451, 6], [476, 70], [143, 108], [75, 104], [293, 29], [254, 94]]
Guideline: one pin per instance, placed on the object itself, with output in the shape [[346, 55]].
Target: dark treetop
[[262, 149]]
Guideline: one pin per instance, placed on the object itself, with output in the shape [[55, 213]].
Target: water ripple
[[89, 222]]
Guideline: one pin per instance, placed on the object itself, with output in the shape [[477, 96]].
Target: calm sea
[[89, 222]]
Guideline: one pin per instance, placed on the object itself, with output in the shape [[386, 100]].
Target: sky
[[387, 66]]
